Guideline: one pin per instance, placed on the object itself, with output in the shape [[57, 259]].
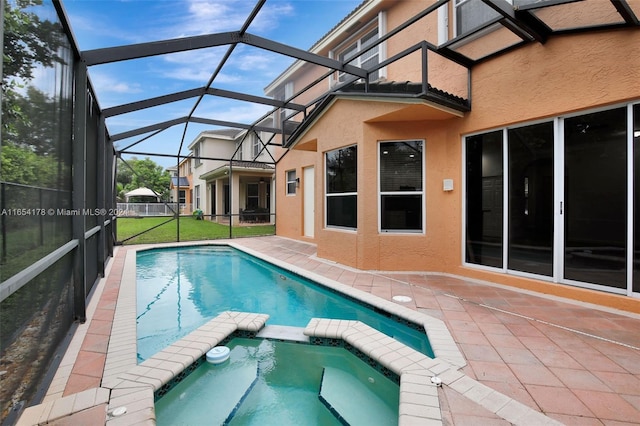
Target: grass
[[190, 230]]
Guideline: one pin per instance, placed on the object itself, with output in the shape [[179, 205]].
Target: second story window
[[196, 155], [282, 93], [349, 50], [255, 146], [471, 14], [239, 151]]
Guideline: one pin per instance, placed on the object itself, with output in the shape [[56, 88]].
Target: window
[[347, 53], [182, 196], [401, 186], [239, 151], [292, 182], [341, 187], [282, 93], [252, 196], [471, 14], [197, 193], [256, 145], [196, 154]]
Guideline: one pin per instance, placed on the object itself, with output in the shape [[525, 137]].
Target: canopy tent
[[141, 192]]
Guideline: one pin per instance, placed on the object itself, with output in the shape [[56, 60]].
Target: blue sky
[[108, 23]]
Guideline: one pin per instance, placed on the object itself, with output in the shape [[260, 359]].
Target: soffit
[[389, 109]]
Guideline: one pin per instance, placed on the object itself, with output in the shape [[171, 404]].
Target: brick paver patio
[[579, 364]]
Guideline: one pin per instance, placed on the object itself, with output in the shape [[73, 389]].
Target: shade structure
[[141, 192]]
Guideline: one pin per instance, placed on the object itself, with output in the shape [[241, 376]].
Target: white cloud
[[109, 84], [214, 16], [238, 114]]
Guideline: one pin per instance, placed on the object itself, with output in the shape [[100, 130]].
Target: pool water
[[271, 382], [179, 289]]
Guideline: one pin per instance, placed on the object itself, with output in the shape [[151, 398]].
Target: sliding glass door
[[595, 198], [530, 157], [484, 203], [636, 199], [569, 206]]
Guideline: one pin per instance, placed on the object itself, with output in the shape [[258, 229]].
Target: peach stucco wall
[[567, 74], [344, 124], [289, 213]]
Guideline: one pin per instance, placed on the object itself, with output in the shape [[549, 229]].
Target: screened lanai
[[64, 130]]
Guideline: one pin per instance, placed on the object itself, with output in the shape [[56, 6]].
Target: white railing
[[151, 209]]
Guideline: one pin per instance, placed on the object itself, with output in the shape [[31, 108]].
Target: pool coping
[[126, 383]]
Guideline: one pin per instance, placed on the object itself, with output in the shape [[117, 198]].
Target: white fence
[[152, 209]]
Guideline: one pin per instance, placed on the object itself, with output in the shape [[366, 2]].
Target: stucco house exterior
[[181, 188], [238, 190], [498, 142]]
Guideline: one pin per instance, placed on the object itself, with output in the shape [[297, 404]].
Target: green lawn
[[190, 230]]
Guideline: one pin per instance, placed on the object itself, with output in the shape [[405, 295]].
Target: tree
[[135, 173], [28, 41], [30, 135]]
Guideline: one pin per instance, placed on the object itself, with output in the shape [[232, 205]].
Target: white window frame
[[291, 178], [422, 231], [340, 194], [378, 22], [239, 150], [255, 146], [443, 24], [558, 200], [455, 5], [197, 196], [196, 155], [282, 93]]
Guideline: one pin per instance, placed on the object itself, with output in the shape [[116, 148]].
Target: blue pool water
[[281, 383], [179, 289]]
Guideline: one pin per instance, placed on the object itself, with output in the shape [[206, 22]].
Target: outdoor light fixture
[[297, 182]]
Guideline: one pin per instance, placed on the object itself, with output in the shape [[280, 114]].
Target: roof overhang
[[226, 170], [401, 109]]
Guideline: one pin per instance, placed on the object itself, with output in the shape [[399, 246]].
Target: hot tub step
[[220, 388], [243, 397], [283, 332], [351, 402]]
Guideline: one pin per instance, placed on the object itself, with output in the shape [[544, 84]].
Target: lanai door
[[570, 200], [530, 192], [595, 199]]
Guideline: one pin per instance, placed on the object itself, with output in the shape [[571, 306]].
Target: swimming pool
[[258, 386], [180, 288]]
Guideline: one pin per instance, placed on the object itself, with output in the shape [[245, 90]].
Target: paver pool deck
[[518, 357]]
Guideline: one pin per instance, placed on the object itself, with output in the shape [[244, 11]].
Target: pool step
[[351, 402], [231, 383], [243, 397], [210, 395], [283, 332]]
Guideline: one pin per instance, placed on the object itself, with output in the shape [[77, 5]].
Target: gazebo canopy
[[141, 192]]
